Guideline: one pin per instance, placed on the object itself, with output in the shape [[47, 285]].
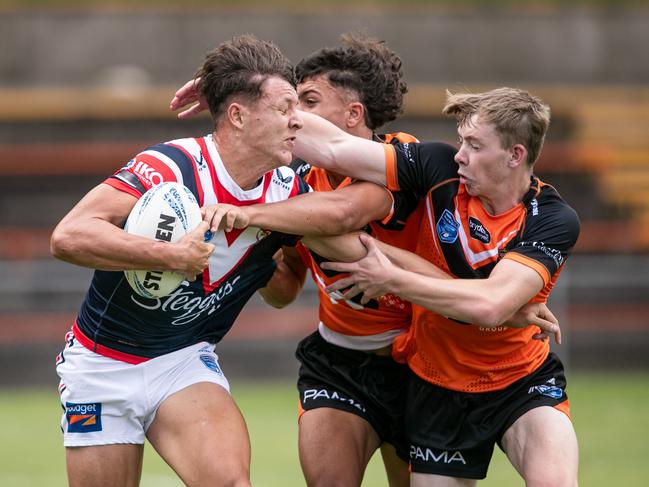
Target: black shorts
[[362, 383], [453, 433]]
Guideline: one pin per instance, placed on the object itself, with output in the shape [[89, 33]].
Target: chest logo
[[478, 231], [447, 227]]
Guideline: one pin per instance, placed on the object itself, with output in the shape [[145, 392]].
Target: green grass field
[[611, 414]]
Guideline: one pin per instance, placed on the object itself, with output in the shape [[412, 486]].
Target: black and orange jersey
[[459, 236], [399, 228]]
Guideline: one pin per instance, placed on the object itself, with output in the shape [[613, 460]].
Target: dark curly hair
[[366, 66], [239, 67]]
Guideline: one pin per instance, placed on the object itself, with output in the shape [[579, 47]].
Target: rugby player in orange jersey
[[505, 235]]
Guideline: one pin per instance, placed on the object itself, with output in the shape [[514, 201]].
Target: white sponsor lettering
[[82, 408], [535, 207], [149, 173], [185, 305], [427, 455], [312, 394]]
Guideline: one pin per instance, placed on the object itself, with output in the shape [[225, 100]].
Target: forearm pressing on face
[[324, 213], [323, 144]]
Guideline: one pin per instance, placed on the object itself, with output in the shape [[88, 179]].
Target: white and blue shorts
[[107, 401]]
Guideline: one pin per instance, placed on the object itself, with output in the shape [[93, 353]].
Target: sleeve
[[154, 165], [404, 203], [418, 168], [550, 233]]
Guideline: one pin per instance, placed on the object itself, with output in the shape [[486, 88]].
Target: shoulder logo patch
[[447, 227], [478, 231]]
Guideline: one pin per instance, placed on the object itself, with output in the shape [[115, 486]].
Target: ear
[[518, 155], [235, 114], [355, 114]]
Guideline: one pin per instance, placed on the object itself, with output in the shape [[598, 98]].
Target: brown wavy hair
[[365, 66], [239, 67]]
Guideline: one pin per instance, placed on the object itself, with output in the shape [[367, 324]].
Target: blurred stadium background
[[86, 85]]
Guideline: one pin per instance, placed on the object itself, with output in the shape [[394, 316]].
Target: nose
[[295, 122], [460, 156]]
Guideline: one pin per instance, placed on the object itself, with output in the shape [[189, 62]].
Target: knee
[[549, 478]]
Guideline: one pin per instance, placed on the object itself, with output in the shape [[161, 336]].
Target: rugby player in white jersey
[[136, 367]]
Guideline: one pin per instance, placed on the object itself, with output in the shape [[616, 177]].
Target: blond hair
[[517, 116]]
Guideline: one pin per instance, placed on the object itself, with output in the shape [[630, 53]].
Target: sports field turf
[[611, 414]]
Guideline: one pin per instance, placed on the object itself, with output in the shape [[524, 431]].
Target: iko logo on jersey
[[478, 231], [210, 363], [447, 227], [313, 394], [83, 418], [147, 172], [424, 454]]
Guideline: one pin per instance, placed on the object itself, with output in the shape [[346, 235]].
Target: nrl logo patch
[[447, 227]]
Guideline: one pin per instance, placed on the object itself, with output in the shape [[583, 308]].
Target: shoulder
[[548, 210]]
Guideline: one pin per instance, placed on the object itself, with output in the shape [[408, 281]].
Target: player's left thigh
[[542, 446], [200, 432]]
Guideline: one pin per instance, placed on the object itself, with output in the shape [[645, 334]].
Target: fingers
[[353, 292], [338, 266], [192, 111], [343, 283], [185, 94]]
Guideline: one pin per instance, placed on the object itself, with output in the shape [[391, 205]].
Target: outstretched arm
[[319, 141], [318, 213], [486, 302]]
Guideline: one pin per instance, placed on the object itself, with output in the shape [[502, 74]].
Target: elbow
[[58, 247], [344, 218], [488, 313], [62, 245]]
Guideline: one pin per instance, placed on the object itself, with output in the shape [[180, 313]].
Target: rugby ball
[[167, 212]]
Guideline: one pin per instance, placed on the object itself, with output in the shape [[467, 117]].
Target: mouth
[[290, 141]]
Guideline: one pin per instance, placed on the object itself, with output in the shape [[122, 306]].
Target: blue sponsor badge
[[447, 227], [83, 418], [210, 363], [551, 391]]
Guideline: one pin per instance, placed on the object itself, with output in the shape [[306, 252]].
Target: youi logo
[[83, 418]]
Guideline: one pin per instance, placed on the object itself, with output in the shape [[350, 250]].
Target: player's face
[[273, 121], [318, 96], [482, 159]]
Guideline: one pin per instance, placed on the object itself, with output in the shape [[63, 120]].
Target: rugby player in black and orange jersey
[[504, 235]]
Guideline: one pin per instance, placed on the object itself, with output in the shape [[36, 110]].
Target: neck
[[243, 165], [509, 194]]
